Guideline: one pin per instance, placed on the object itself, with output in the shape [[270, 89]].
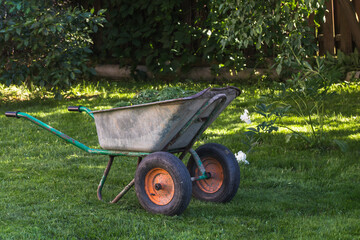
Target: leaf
[[18, 6], [87, 50], [101, 12], [307, 65], [8, 81], [86, 15], [261, 113], [258, 45], [56, 82], [252, 129], [72, 75], [52, 29], [279, 69], [35, 25], [58, 96], [92, 71], [249, 134], [344, 147], [288, 137], [19, 45], [95, 28], [7, 36], [262, 107], [273, 128]]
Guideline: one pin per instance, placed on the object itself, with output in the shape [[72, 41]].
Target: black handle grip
[[74, 109], [11, 114]]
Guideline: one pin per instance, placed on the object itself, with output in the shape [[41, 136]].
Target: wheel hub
[[159, 186], [215, 174]]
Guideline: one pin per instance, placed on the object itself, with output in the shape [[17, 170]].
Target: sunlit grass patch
[[288, 191], [354, 136], [14, 92]]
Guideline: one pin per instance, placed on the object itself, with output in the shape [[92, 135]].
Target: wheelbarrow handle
[[80, 109], [74, 109], [12, 114], [70, 140]]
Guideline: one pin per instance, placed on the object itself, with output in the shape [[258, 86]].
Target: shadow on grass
[[279, 198]]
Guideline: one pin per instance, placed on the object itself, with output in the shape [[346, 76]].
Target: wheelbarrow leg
[[103, 179], [122, 193], [127, 188]]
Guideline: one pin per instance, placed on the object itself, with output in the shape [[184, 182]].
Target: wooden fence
[[341, 30]]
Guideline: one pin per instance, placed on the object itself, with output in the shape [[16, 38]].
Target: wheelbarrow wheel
[[163, 184], [224, 171]]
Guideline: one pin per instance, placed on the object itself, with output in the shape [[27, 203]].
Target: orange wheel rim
[[159, 186], [214, 183]]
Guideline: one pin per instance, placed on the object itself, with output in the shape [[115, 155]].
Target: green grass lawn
[[288, 191]]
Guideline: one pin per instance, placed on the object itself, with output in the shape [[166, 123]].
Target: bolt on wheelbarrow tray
[[154, 132]]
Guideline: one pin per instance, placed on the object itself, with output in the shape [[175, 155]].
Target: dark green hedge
[[163, 35], [46, 43], [169, 35], [49, 42]]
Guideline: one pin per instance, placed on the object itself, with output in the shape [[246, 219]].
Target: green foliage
[[49, 43], [169, 35], [307, 92], [344, 63], [278, 26], [45, 43], [270, 113], [153, 95], [149, 32]]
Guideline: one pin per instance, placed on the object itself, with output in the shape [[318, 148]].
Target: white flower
[[241, 157], [245, 117]]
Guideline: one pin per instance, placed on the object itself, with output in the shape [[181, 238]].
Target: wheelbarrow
[[160, 134]]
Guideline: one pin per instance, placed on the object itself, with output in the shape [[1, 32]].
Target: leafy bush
[[307, 92], [169, 35], [46, 43], [275, 28], [153, 33], [304, 95]]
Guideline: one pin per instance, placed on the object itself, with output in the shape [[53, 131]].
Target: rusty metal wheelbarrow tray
[[165, 125]]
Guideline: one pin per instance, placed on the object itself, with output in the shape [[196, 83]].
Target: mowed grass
[[288, 191]]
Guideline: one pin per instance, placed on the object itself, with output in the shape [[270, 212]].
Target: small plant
[[272, 114], [344, 62], [305, 95], [306, 92]]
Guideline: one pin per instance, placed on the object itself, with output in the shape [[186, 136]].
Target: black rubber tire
[[181, 183], [231, 173]]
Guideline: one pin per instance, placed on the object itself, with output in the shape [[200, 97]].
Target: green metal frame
[[75, 142], [221, 98]]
